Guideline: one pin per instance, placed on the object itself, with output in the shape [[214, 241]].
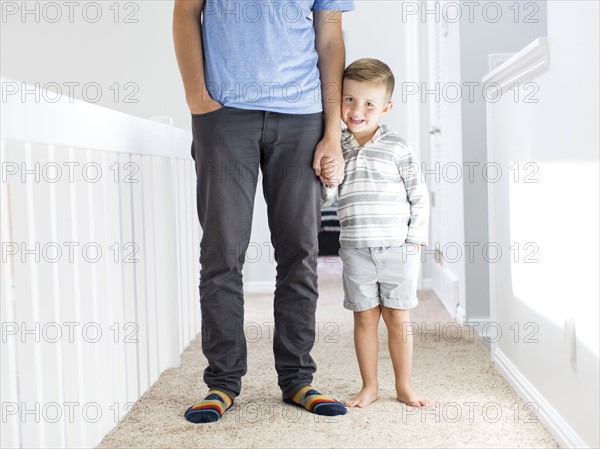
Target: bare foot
[[363, 398], [409, 397]]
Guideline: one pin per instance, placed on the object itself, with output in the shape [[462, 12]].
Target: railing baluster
[[153, 300], [11, 430]]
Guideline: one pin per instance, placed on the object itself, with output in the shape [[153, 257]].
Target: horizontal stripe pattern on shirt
[[383, 201]]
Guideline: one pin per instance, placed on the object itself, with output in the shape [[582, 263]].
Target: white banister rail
[[100, 247]]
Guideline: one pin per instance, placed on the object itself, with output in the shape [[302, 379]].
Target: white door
[[447, 221]]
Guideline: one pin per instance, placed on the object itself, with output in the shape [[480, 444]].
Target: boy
[[383, 210]]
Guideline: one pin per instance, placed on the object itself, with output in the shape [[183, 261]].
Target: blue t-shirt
[[261, 54]]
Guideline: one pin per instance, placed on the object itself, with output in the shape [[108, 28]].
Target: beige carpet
[[471, 404]]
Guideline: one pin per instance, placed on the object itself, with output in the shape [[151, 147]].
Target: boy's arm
[[332, 54], [328, 191], [188, 49], [418, 198], [328, 195]]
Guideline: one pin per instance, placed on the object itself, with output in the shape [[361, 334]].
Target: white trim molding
[[524, 66], [45, 116], [548, 416], [482, 326]]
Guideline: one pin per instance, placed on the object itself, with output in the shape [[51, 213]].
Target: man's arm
[[188, 49], [332, 57]]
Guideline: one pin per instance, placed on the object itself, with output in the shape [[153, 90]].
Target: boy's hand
[[328, 167], [329, 170]]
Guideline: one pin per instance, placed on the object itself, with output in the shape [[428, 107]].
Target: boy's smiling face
[[363, 104]]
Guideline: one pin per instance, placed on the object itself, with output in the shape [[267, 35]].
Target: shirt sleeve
[[418, 197], [334, 5], [328, 195]]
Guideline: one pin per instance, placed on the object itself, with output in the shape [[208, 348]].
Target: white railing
[[99, 265]]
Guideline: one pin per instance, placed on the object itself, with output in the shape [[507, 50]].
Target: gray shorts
[[385, 276]]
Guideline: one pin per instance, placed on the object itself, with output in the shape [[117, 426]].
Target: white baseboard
[[482, 327], [564, 434], [267, 287]]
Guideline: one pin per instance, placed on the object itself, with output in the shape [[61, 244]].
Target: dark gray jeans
[[230, 145]]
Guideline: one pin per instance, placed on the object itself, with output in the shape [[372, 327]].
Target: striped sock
[[315, 402], [210, 409]]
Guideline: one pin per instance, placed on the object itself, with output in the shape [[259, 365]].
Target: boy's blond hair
[[371, 70]]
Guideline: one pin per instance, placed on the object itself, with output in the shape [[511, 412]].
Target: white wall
[[559, 214], [514, 29], [104, 52], [459, 216]]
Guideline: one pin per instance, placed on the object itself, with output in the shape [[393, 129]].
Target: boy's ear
[[388, 107]]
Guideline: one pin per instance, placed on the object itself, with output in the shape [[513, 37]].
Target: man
[[263, 84]]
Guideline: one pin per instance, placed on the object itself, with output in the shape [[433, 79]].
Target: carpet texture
[[471, 404]]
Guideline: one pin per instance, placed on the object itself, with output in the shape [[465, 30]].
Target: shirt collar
[[348, 138]]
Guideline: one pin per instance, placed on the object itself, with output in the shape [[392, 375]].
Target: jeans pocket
[[208, 114]]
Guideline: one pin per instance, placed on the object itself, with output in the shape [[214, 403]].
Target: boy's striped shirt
[[382, 201]]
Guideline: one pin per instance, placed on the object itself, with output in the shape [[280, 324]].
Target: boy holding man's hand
[[384, 212]]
